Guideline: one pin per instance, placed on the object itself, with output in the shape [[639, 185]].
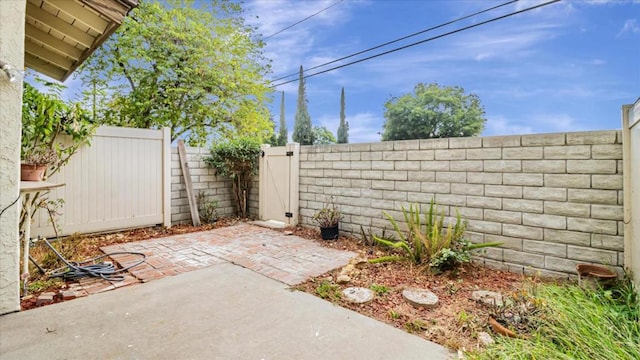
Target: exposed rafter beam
[[65, 28], [61, 47], [44, 67], [82, 14], [56, 59]]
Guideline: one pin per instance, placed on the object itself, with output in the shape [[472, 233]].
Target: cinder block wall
[[203, 179], [554, 200]]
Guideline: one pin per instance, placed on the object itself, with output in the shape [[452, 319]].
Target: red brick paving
[[286, 258]]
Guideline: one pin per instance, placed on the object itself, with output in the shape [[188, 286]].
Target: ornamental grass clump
[[429, 241], [328, 216], [577, 323]]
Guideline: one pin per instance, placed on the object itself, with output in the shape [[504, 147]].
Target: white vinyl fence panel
[[121, 181]]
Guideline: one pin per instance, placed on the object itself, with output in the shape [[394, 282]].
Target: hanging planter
[[29, 172]]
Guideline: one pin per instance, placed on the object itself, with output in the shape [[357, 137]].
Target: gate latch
[[288, 214]]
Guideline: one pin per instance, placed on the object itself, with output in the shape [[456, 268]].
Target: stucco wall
[[12, 17], [554, 200]]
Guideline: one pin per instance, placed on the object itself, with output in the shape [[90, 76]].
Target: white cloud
[[532, 123], [363, 127], [631, 25]]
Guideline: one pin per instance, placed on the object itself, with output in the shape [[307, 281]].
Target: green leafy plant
[[394, 314], [379, 289], [328, 216], [237, 159], [207, 208], [328, 291], [428, 241], [52, 132], [44, 284]]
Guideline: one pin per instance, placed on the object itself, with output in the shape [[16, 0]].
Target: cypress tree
[[284, 134], [302, 131], [343, 129]]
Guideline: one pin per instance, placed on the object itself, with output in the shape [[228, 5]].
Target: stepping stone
[[485, 339], [487, 297], [420, 298], [358, 295]]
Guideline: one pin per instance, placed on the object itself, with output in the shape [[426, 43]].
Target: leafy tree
[[284, 134], [343, 128], [302, 130], [322, 136], [273, 139], [237, 159], [198, 71], [433, 111]]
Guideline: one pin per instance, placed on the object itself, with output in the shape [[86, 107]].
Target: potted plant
[[35, 162], [329, 219]]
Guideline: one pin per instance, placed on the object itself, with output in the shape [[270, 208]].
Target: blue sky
[[569, 66]]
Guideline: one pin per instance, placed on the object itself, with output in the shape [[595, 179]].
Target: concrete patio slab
[[219, 312]]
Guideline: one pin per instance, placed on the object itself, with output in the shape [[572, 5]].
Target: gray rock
[[358, 295], [487, 297], [420, 298], [484, 338], [343, 279]]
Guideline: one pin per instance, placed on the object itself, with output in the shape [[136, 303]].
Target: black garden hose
[[74, 270]]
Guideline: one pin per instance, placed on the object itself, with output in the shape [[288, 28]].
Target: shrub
[[236, 159], [207, 209], [428, 241]]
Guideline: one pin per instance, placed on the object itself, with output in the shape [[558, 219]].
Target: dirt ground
[[454, 323]]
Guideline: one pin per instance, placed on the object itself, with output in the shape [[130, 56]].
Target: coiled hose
[[74, 270]]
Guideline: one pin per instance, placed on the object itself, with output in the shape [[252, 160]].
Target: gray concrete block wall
[[203, 179], [554, 200]]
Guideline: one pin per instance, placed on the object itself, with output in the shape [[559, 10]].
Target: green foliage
[[52, 132], [236, 159], [329, 291], [379, 289], [195, 67], [394, 314], [302, 130], [283, 135], [45, 119], [322, 136], [41, 285], [207, 208], [343, 128], [576, 324], [433, 111], [428, 241]]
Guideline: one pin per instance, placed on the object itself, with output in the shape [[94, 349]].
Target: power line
[[424, 41], [399, 39], [305, 19]]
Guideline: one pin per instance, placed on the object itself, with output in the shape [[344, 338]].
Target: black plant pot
[[329, 233]]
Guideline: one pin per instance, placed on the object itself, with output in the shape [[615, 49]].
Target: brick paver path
[[286, 258]]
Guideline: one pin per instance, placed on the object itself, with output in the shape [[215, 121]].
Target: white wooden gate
[[279, 183], [122, 180]]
